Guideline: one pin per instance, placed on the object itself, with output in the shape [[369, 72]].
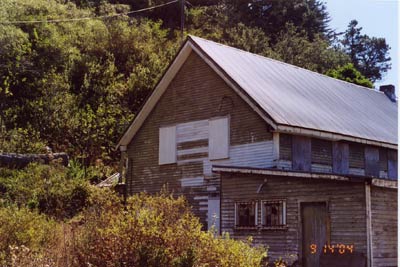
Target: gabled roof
[[289, 98]]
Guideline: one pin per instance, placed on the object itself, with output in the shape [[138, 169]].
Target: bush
[[49, 188], [21, 228], [153, 231]]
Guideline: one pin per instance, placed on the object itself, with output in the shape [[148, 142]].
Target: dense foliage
[[75, 86], [81, 225]]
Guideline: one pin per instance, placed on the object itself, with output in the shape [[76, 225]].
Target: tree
[[350, 74], [273, 15], [369, 55], [295, 48]]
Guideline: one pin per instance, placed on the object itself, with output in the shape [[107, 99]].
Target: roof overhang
[[306, 175], [331, 136]]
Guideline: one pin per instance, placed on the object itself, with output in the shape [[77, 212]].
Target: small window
[[246, 214], [273, 213]]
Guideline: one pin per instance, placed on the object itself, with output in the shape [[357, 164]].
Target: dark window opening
[[246, 214], [273, 213]]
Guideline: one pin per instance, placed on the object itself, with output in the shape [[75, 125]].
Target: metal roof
[[298, 97]]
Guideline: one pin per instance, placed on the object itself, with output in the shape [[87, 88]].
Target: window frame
[[236, 215], [283, 213]]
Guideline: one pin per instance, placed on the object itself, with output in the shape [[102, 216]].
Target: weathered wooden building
[[304, 163]]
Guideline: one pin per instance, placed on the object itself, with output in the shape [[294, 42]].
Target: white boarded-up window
[[218, 143], [167, 145]]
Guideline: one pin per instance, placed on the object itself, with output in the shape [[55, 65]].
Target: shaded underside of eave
[[306, 174]]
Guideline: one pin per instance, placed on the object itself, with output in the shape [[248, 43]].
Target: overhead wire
[[87, 18]]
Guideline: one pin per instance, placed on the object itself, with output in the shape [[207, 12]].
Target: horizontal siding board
[[384, 226]]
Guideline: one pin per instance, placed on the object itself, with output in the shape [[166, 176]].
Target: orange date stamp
[[333, 248]]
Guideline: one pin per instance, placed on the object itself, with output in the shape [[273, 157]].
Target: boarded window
[[245, 214], [273, 213], [340, 160], [321, 151], [356, 156], [392, 164], [218, 145], [167, 145], [285, 146], [371, 161], [383, 160], [301, 153]]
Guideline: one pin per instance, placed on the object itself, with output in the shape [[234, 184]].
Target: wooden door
[[314, 219]]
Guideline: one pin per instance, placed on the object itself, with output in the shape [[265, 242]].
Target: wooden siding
[[346, 203], [195, 95], [384, 226]]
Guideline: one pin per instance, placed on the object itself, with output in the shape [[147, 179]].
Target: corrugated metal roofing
[[298, 97]]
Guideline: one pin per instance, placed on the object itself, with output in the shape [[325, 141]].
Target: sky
[[378, 18]]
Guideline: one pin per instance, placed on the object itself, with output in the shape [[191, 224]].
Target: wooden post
[[369, 224]]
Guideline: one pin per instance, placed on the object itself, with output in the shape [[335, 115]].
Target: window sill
[[274, 228], [261, 228], [238, 228]]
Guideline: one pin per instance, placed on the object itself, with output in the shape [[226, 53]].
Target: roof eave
[[332, 136]]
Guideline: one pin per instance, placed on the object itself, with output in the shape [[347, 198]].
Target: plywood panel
[[167, 145], [340, 160], [371, 161], [392, 164], [301, 153], [218, 144]]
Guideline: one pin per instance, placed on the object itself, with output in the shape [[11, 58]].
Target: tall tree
[[370, 55], [273, 15]]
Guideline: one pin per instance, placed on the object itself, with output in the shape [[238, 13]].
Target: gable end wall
[[196, 93]]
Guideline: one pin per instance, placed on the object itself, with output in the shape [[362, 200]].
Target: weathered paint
[[257, 155]]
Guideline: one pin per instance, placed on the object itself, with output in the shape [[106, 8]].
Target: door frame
[[304, 200]]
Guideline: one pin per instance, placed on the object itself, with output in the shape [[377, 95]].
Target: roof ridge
[[284, 63]]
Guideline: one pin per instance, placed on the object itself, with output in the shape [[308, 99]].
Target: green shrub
[[48, 188], [21, 228], [153, 231]]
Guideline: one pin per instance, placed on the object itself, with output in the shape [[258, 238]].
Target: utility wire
[[87, 18]]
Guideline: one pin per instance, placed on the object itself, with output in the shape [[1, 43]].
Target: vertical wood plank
[[301, 153], [392, 164], [340, 160], [369, 224], [371, 155]]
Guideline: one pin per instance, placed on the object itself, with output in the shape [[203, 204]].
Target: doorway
[[315, 230]]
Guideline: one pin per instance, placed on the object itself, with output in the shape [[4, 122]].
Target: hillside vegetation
[[75, 85]]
